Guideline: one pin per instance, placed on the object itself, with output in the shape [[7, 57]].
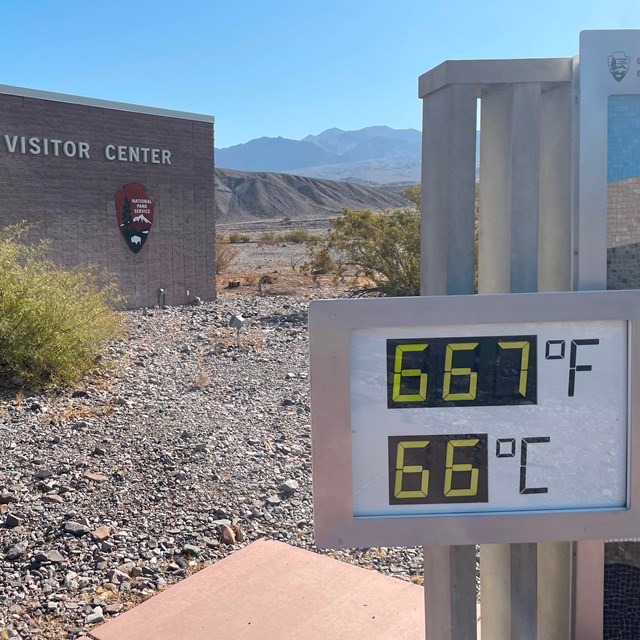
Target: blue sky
[[285, 68]]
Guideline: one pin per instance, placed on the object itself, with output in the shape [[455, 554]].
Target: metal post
[[527, 198], [588, 600], [447, 585], [508, 261], [448, 178]]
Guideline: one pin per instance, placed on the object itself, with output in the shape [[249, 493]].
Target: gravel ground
[[188, 449]]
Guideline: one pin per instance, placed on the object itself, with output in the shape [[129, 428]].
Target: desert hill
[[244, 196]]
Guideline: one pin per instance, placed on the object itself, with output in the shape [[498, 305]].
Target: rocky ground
[[189, 448]]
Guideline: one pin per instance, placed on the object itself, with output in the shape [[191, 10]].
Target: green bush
[[413, 193], [297, 237], [382, 247], [237, 238], [54, 322]]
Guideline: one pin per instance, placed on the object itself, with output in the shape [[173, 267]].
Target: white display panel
[[405, 434], [576, 445]]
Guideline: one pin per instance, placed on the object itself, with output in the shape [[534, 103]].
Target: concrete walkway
[[270, 590]]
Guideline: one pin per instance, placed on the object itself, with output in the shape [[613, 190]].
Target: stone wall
[[71, 199]]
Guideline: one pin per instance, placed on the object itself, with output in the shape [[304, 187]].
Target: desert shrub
[[237, 238], [267, 239], [54, 322], [297, 237], [413, 193], [225, 254], [382, 247]]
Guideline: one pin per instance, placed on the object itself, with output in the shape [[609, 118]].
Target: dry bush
[[225, 254], [235, 238], [269, 238]]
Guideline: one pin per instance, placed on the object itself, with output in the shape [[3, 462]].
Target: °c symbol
[[506, 448]]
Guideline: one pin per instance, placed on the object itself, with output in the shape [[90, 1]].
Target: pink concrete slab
[[270, 591]]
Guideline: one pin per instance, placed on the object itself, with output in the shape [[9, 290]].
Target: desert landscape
[[188, 448]]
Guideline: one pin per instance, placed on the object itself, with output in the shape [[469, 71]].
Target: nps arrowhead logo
[[618, 63], [134, 208]]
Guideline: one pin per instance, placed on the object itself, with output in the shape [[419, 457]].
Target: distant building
[[126, 187]]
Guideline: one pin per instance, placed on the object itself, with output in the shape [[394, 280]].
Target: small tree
[[383, 247]]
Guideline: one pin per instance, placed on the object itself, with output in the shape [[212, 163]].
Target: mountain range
[[373, 155], [243, 196]]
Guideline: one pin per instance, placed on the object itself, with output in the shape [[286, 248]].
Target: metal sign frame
[[596, 84], [330, 326]]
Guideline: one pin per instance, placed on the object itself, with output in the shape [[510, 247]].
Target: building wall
[[71, 199]]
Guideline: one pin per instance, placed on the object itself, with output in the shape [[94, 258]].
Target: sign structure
[[134, 209], [475, 419], [609, 157]]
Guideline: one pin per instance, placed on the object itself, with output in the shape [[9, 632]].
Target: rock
[[101, 533], [289, 486], [96, 617], [76, 528], [99, 451], [273, 500], [227, 535], [113, 608], [17, 550], [221, 522], [233, 284], [190, 550], [52, 498], [117, 577], [7, 498], [43, 474], [238, 532], [13, 521], [79, 393], [52, 556], [95, 477]]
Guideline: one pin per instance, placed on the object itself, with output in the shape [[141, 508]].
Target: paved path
[[272, 590]]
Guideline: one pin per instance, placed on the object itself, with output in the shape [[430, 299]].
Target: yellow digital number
[[455, 468], [401, 469], [450, 370], [524, 362], [399, 373]]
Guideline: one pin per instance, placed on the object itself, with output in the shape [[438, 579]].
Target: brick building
[[129, 188]]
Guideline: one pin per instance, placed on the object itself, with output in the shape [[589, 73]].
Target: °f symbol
[[554, 350]]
